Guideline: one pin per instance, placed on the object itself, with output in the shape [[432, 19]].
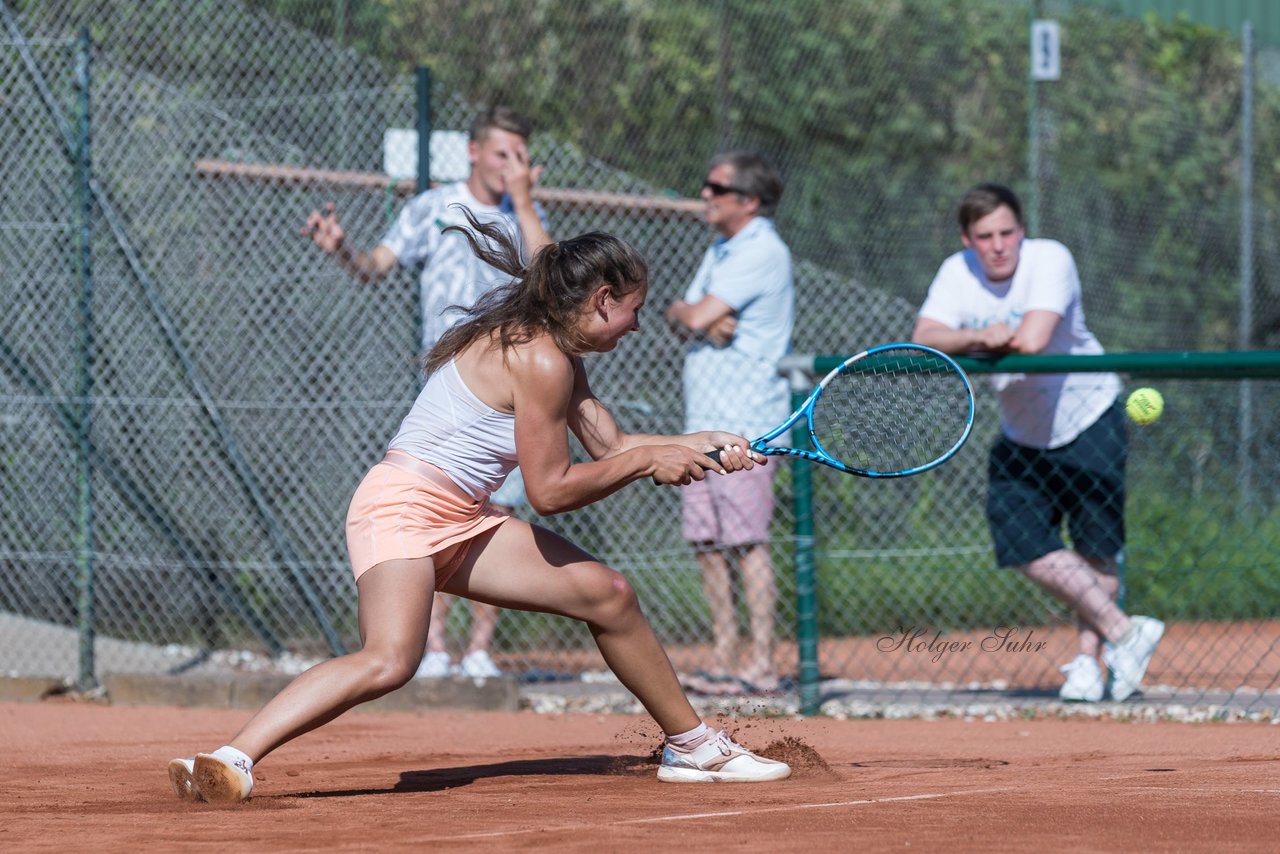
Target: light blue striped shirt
[[737, 387]]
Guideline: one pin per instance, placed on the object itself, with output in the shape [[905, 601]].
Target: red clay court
[[82, 776]]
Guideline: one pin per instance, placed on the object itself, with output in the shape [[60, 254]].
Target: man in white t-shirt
[[737, 315], [1063, 443], [499, 190]]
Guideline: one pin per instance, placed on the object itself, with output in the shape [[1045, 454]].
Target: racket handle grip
[[715, 455]]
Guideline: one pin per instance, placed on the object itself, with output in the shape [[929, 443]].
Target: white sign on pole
[[449, 161], [1046, 53]]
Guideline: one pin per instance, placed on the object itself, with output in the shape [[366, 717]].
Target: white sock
[[690, 739], [235, 759]]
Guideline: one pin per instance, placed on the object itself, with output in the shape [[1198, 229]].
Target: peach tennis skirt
[[408, 508]]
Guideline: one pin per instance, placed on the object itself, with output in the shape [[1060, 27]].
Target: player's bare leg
[[717, 586], [484, 622], [484, 625], [394, 608], [522, 566], [1109, 581], [1075, 582], [438, 631], [761, 591]]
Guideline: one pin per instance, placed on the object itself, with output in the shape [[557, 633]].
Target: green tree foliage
[[880, 114]]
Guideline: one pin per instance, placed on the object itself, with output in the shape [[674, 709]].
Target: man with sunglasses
[[736, 317]]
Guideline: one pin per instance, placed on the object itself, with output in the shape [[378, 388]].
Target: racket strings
[[895, 411]]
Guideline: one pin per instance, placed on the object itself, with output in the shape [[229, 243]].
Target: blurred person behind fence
[[1063, 442], [737, 316]]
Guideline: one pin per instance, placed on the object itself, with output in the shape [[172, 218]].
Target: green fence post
[[1244, 339], [1032, 207], [86, 679], [806, 570], [422, 77]]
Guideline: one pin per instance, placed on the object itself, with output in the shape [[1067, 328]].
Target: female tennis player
[[504, 387]]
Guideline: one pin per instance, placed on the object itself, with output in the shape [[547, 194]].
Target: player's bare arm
[[1034, 331], [700, 318], [722, 331], [520, 178], [326, 232], [990, 339], [543, 387]]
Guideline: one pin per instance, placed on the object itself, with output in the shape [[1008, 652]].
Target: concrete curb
[[23, 689], [253, 690]]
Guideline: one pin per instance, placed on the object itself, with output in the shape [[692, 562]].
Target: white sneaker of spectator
[[1129, 659], [434, 665], [478, 665], [1085, 682]]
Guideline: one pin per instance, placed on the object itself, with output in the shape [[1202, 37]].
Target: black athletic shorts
[[1031, 490]]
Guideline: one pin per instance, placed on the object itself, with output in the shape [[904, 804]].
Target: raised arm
[[327, 233], [520, 179]]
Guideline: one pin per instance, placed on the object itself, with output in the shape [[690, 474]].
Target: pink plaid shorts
[[729, 510]]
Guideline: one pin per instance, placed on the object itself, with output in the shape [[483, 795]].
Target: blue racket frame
[[820, 455]]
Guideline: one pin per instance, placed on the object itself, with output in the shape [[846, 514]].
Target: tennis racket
[[891, 411]]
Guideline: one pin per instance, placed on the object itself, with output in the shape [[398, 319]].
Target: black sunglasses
[[721, 189]]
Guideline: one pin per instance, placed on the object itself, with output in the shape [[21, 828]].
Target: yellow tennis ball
[[1144, 406]]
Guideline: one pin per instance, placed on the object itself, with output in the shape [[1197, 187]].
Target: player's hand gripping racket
[[891, 411]]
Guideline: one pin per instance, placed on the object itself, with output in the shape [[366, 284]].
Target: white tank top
[[449, 427]]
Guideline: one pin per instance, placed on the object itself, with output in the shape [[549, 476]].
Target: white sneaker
[[1128, 660], [478, 665], [434, 665], [182, 778], [220, 782], [718, 760], [1085, 682]]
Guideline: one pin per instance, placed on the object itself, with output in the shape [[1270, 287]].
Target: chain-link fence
[[235, 384], [911, 600]]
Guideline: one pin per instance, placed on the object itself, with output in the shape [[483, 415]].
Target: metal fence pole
[[1246, 258], [343, 121], [83, 171], [805, 566], [1033, 137], [724, 75], [423, 80]]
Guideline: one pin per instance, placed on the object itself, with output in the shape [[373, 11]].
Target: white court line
[[1202, 790], [1130, 776], [731, 813], [726, 813]]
